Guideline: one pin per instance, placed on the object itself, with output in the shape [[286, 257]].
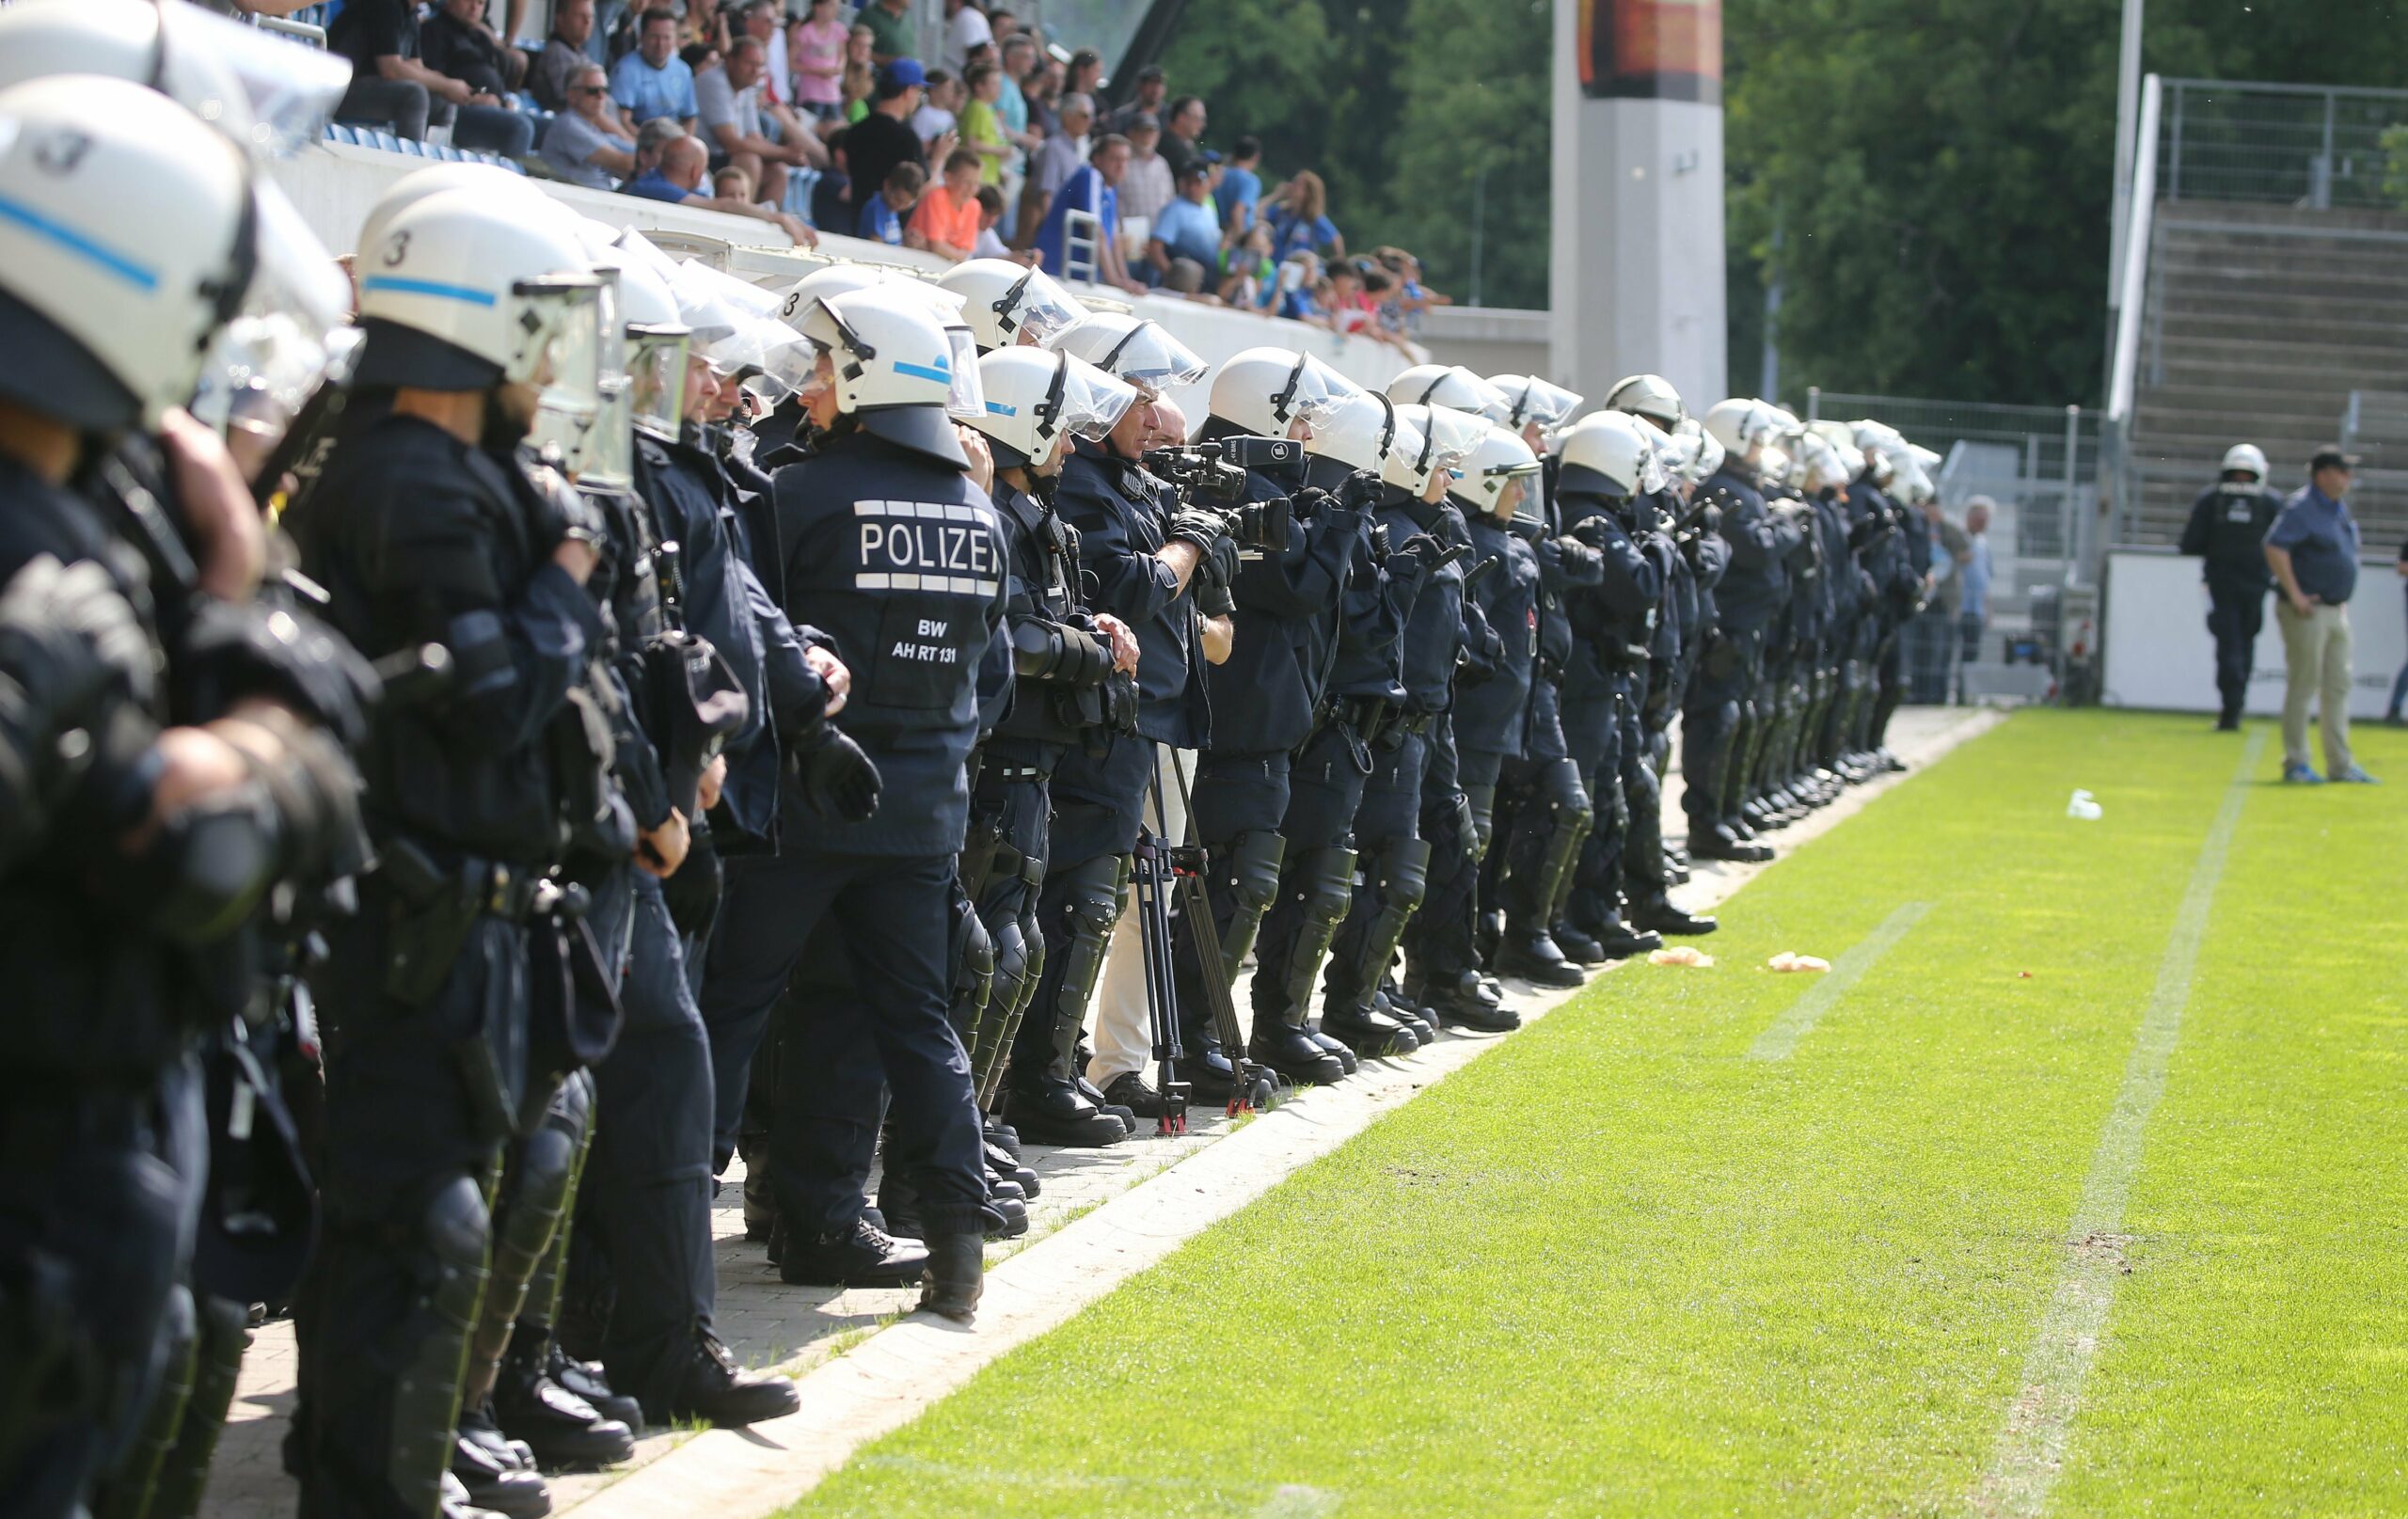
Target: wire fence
[[2289, 143], [2039, 464]]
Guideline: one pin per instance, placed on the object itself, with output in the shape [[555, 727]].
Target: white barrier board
[[2160, 654]]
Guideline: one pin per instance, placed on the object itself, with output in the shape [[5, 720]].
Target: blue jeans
[[492, 129]]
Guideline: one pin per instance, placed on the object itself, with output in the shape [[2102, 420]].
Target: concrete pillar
[[1637, 265]]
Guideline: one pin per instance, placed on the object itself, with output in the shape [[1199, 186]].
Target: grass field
[[1645, 1258]]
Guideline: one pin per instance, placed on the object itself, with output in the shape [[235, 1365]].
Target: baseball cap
[[903, 72], [2332, 459], [1145, 121], [1151, 71]]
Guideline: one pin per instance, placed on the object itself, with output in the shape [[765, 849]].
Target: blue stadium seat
[[411, 146], [381, 138]]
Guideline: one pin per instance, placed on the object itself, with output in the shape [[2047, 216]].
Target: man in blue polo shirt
[[2313, 551], [653, 81]]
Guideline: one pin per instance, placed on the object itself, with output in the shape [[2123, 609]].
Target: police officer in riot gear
[[2227, 532], [1898, 483], [1723, 694], [428, 527], [1608, 474], [1072, 679], [145, 860], [1140, 552], [895, 548], [1011, 305]]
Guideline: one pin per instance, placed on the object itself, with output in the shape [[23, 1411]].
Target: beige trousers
[[1124, 1038], [2316, 650]]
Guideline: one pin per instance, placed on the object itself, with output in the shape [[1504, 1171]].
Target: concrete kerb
[[889, 1379]]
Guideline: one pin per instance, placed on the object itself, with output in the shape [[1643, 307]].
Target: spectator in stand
[[965, 27], [1248, 278], [565, 57], [860, 83], [1187, 230], [1410, 297], [653, 81], [1149, 100], [1350, 306], [730, 104], [583, 144], [832, 199], [945, 221], [816, 59], [938, 120], [678, 181], [990, 244], [1085, 75], [1241, 187], [1011, 102], [1094, 189], [652, 139], [391, 84], [982, 128], [883, 138], [1299, 216], [1145, 189], [1042, 86], [763, 22], [703, 26], [882, 218], [1182, 129], [1060, 157], [890, 26], [456, 40], [732, 183], [1300, 278], [1973, 615]]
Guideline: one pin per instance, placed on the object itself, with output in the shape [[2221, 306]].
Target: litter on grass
[[2085, 807], [1680, 954], [1787, 961]]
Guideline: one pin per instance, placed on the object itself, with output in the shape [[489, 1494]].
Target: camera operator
[[871, 524], [1143, 552], [1289, 592], [182, 773]]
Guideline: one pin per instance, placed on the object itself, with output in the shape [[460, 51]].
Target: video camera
[[1212, 476]]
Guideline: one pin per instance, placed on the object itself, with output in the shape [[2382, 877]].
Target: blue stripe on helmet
[[76, 242], [999, 409], [429, 287], [940, 372]]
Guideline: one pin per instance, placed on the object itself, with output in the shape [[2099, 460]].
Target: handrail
[[2255, 87], [1082, 233], [2123, 379]]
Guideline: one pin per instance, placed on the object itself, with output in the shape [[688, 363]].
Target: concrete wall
[[335, 187], [1491, 340]]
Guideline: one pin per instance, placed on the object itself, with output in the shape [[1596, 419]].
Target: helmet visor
[[1092, 402], [1408, 442], [966, 394], [560, 316], [1550, 405], [1036, 308], [1452, 437], [1137, 349], [1315, 393], [289, 91], [657, 381], [1473, 393]]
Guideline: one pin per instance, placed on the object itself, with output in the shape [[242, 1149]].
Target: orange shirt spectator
[[946, 220]]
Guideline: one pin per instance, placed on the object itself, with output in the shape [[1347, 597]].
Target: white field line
[[2031, 1446], [1798, 1019]]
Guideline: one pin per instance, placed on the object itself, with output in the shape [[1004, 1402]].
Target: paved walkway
[[1092, 1228]]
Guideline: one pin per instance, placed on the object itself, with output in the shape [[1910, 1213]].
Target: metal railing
[[2303, 145], [1082, 246]]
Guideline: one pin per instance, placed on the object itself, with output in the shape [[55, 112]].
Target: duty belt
[[1018, 772], [499, 887]]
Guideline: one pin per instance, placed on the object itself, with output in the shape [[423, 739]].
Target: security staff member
[[1605, 460], [427, 529], [2228, 531], [895, 549], [1142, 551], [1725, 688], [137, 853]]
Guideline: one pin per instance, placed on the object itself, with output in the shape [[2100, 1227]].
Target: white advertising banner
[[2160, 653]]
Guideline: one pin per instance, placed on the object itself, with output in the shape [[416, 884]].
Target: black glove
[[837, 779], [1311, 504], [1216, 577], [570, 513], [1193, 525], [67, 637], [692, 893], [1427, 553], [1361, 490]]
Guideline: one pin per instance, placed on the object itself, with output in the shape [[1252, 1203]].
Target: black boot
[[1529, 953], [1579, 948], [1003, 1218], [1620, 942], [1002, 1135], [560, 1427], [1391, 1000], [1290, 1050], [1661, 916], [861, 1256], [1724, 843], [494, 1480], [587, 1381], [1462, 998], [1006, 1164], [1370, 1033], [718, 1391], [955, 1276], [454, 1504]]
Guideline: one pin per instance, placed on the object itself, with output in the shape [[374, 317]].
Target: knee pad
[[1248, 870], [974, 974], [1325, 879], [453, 1229], [1096, 892], [1479, 804], [1403, 875]]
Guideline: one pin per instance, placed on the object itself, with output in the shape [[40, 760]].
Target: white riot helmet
[[1452, 386], [1362, 432], [105, 322], [1268, 390], [435, 180], [1432, 441], [1008, 303], [835, 279], [1529, 399], [898, 369], [1036, 401], [2246, 456], [1739, 425], [1610, 453], [657, 340], [1650, 396], [597, 443], [1500, 460], [465, 293], [1133, 349]]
